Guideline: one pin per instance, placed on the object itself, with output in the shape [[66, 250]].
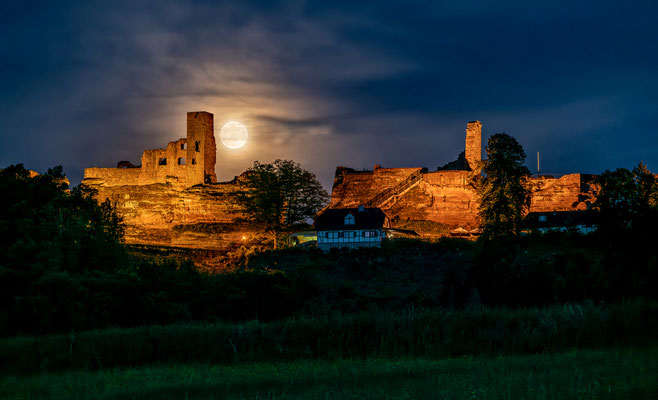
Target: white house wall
[[358, 241]]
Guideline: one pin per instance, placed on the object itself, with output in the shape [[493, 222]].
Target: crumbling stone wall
[[444, 197], [448, 197], [354, 188], [184, 162], [173, 199], [202, 150], [474, 145], [566, 193]]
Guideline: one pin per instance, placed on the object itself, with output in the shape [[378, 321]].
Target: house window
[[349, 219], [350, 234], [196, 146], [162, 161], [542, 218], [370, 234], [181, 160]]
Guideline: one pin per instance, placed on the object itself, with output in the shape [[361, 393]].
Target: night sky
[[330, 83]]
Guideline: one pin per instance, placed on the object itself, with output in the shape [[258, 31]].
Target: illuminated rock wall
[[184, 162], [353, 188], [447, 197], [172, 198], [202, 216], [474, 145]]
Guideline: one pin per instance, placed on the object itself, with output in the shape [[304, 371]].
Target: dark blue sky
[[330, 83]]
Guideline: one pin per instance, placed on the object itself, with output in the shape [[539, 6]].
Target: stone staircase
[[387, 194]]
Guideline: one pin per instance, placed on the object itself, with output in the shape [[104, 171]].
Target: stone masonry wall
[[184, 162], [352, 188], [444, 197], [567, 193], [448, 198], [474, 145]]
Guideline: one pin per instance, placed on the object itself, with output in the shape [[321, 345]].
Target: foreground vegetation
[[434, 333], [301, 323], [583, 374]]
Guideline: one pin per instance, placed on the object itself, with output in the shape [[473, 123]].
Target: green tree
[[45, 226], [628, 200], [504, 190], [281, 194]]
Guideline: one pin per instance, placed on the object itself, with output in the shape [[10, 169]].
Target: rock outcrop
[[172, 199], [447, 197]]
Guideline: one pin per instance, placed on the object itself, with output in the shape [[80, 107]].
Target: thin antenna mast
[[538, 163]]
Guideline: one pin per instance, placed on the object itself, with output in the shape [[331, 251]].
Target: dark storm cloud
[[330, 83]]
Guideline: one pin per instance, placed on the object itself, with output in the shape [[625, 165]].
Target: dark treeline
[[63, 268]]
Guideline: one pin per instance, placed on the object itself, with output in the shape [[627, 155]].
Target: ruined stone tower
[[201, 148], [474, 145]]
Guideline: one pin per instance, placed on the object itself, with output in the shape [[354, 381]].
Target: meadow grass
[[630, 373], [430, 334]]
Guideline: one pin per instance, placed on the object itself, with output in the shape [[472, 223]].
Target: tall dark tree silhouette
[[504, 190], [281, 194], [627, 201]]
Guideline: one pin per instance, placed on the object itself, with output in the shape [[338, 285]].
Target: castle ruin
[[173, 198], [185, 162], [416, 198]]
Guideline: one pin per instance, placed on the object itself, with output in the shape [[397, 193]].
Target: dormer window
[[349, 219]]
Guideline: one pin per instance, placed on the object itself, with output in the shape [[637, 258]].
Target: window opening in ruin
[[349, 219], [162, 161], [181, 160], [196, 146], [182, 146], [194, 161]]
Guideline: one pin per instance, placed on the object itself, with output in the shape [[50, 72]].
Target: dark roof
[[364, 218], [558, 219]]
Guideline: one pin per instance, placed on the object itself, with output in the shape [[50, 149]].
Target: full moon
[[233, 135]]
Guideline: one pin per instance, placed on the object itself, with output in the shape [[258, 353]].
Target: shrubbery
[[63, 268]]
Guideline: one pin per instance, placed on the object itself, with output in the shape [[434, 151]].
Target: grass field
[[583, 374], [431, 334]]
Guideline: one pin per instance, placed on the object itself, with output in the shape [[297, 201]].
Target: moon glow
[[233, 135]]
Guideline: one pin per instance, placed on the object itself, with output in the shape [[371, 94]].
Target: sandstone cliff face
[[354, 188], [445, 198], [567, 193], [200, 217], [448, 198]]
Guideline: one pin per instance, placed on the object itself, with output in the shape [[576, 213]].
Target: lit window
[[181, 160], [370, 234], [349, 219], [542, 218], [350, 234]]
